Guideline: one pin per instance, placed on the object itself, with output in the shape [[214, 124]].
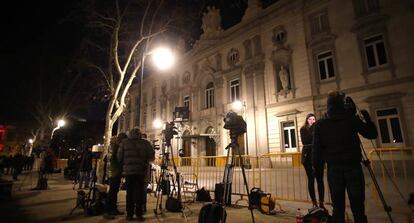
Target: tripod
[[367, 164], [86, 200], [163, 187], [228, 173]]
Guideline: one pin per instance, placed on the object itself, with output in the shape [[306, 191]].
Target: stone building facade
[[280, 62]]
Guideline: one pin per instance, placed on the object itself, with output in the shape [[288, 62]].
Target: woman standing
[[306, 134]]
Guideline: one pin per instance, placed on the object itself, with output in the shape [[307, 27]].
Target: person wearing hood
[[337, 143], [134, 155]]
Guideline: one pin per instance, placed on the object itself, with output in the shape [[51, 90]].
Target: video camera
[[234, 123], [169, 132]]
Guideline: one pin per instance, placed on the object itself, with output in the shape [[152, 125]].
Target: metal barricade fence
[[280, 174], [393, 165]]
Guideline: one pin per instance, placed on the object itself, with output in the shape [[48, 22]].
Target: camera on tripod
[[169, 132], [234, 123]]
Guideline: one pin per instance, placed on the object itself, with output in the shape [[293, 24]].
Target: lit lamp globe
[[157, 124], [61, 123], [237, 105], [163, 58]]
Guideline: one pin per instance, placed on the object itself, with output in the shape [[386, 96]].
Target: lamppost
[[163, 58], [60, 123]]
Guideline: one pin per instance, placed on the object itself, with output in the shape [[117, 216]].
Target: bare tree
[[133, 27]]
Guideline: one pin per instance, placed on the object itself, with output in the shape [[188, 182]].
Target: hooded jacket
[[336, 139], [134, 154]]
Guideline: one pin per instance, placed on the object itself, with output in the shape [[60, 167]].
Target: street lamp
[[60, 123], [157, 124], [163, 59]]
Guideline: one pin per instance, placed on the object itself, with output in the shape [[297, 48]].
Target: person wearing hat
[[337, 143], [134, 155]]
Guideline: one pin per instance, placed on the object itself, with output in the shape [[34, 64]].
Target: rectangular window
[[209, 97], [235, 90], [289, 136], [187, 101], [375, 52], [389, 126], [326, 66], [365, 7], [320, 23]]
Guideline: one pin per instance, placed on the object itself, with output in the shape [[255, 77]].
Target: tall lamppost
[[60, 123], [163, 59]]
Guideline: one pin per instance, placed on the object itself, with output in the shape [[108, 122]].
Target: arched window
[[209, 95]]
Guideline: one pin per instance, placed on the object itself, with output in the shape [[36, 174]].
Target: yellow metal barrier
[[397, 164]]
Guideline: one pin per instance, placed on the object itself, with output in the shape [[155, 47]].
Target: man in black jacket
[[134, 154], [337, 143]]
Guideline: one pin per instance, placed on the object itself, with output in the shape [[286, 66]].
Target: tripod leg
[[245, 182]]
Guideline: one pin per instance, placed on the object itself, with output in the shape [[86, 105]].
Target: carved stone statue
[[211, 20], [284, 77]]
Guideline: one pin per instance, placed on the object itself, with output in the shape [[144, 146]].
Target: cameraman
[[337, 143]]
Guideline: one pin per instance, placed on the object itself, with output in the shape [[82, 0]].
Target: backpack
[[219, 193], [173, 204], [212, 213], [41, 184], [317, 215], [255, 195], [203, 195], [97, 205]]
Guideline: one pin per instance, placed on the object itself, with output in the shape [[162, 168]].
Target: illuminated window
[[289, 136], [234, 90]]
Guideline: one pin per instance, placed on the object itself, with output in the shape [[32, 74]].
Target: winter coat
[[336, 139], [306, 135], [86, 161], [134, 154], [114, 167]]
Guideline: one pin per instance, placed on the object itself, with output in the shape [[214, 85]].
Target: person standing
[[115, 177], [337, 143], [306, 135], [134, 154], [85, 168]]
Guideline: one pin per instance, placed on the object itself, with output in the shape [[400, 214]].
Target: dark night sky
[[41, 36], [35, 38]]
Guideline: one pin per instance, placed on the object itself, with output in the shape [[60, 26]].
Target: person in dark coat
[[306, 134], [18, 162], [134, 154], [85, 168], [115, 177], [337, 143]]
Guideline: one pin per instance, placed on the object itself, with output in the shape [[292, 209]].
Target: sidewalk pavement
[[55, 204]]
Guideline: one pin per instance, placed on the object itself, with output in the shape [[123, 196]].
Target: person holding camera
[[306, 135], [115, 177], [134, 155], [337, 143]]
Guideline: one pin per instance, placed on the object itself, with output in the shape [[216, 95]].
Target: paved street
[[54, 205]]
